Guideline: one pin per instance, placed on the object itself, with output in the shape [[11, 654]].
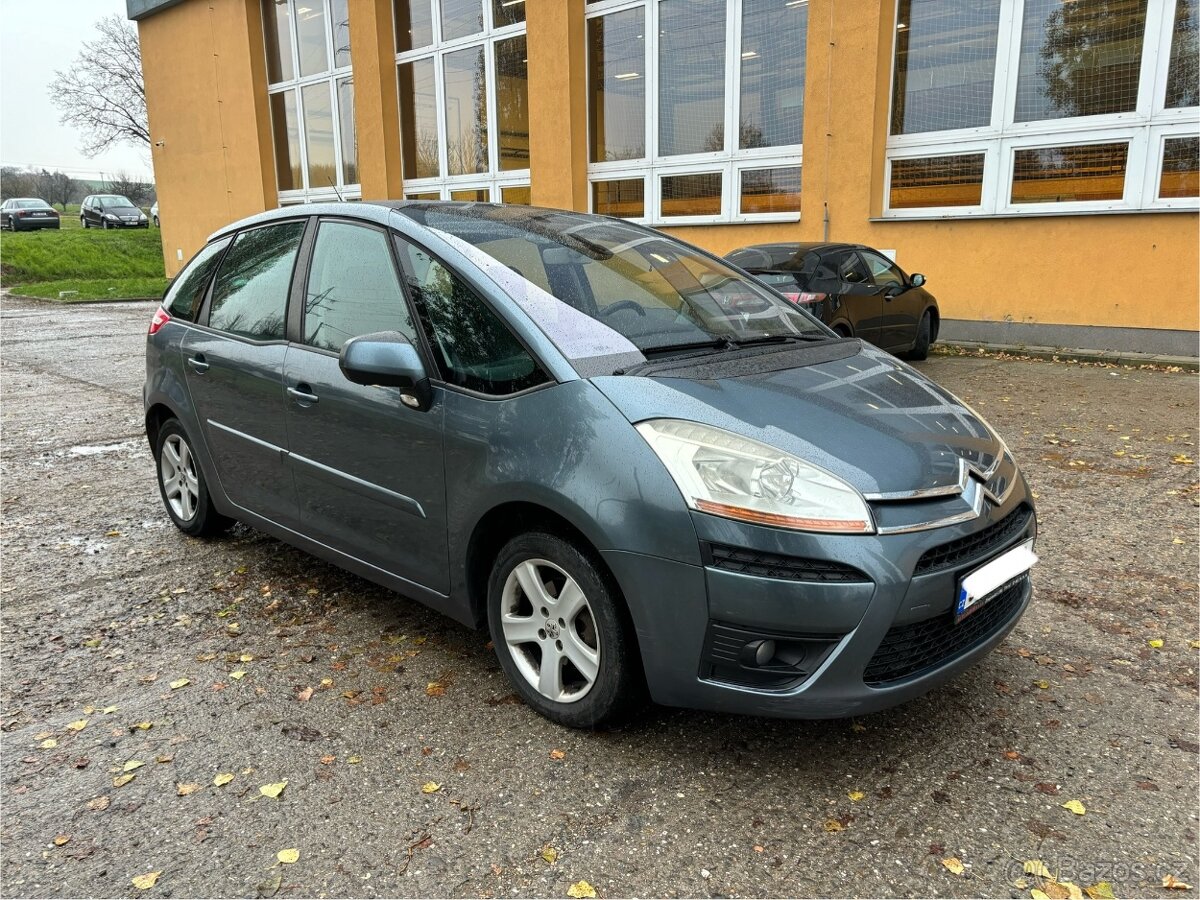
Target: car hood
[[122, 210], [856, 411]]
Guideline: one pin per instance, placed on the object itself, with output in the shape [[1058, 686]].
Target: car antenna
[[335, 190]]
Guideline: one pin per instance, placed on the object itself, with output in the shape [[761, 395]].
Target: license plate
[[977, 585], [41, 214]]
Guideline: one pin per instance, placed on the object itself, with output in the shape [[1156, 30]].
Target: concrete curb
[[1110, 357]]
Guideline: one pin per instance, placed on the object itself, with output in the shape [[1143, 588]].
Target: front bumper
[[869, 617]]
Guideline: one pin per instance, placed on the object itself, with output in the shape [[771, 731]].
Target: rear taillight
[[160, 319], [804, 297], [21, 213]]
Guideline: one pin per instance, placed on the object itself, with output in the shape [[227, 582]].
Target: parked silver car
[[639, 468]]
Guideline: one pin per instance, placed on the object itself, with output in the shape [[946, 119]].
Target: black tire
[[156, 222], [84, 222], [104, 225], [204, 521], [920, 349], [618, 689]]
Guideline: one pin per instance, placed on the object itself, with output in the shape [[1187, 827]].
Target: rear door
[[368, 469], [901, 303], [233, 364]]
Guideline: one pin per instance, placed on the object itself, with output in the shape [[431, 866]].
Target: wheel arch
[[935, 321]]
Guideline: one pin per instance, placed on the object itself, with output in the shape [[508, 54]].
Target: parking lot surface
[[411, 768]]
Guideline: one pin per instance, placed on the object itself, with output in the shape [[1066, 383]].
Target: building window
[[681, 131], [463, 74], [311, 93], [1017, 107]]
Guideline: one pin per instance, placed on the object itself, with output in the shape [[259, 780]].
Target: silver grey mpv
[[644, 471]]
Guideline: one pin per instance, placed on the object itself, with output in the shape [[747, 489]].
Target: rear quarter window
[[186, 293]]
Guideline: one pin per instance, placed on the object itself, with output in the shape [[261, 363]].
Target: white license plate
[[977, 585]]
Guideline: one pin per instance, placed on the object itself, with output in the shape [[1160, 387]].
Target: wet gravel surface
[[358, 698]]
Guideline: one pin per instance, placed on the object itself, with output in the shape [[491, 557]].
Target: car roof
[[784, 255]]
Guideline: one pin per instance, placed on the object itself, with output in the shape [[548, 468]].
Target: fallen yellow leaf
[[581, 889], [832, 825], [435, 689], [855, 796], [184, 789], [147, 881], [1195, 645], [78, 726], [354, 760], [273, 790], [1182, 459], [549, 854], [1038, 895], [953, 865], [60, 839], [223, 779], [1170, 881], [237, 676], [288, 856], [326, 682], [132, 764], [1043, 684], [1101, 890], [430, 787], [246, 657], [1155, 642], [178, 683], [109, 710], [122, 780], [48, 744], [1036, 867], [558, 754], [1075, 806], [144, 726]]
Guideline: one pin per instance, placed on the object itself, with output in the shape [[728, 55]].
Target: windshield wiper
[[716, 344], [782, 338]]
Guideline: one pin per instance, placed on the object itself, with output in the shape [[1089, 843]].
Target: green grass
[[97, 264]]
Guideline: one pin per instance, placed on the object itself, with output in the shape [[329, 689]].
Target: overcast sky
[[37, 37]]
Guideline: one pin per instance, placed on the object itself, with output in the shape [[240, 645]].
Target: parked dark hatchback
[[854, 289], [635, 465], [27, 214], [111, 211]]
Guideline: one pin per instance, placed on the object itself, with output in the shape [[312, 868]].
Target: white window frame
[[494, 180], [730, 162], [1144, 129], [331, 78]]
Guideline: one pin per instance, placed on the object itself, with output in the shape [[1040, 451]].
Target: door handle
[[198, 363], [303, 394]]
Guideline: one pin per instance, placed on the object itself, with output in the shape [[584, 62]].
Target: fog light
[[758, 653]]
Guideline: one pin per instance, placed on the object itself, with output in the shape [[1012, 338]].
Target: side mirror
[[387, 359], [917, 280]]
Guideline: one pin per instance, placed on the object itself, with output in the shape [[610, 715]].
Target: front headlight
[[110, 216], [728, 475]]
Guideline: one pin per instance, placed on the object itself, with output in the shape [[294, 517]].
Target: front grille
[[974, 546], [908, 650], [777, 565]]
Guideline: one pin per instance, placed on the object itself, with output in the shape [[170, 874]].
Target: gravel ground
[[358, 698]]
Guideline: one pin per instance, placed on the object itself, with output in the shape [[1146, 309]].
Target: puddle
[[101, 449]]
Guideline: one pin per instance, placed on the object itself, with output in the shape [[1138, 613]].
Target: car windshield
[[626, 289], [113, 200]]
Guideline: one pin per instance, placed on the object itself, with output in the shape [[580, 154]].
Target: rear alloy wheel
[[181, 483], [920, 349], [562, 634]]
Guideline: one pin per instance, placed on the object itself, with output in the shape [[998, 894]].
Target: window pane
[[341, 33], [471, 195], [884, 273], [250, 294], [428, 195], [473, 348], [348, 133], [1064, 174], [691, 76], [414, 24], [617, 86], [310, 35], [1183, 75], [318, 136], [512, 103], [187, 290], [1181, 168], [774, 36], [937, 181], [277, 28], [352, 288], [691, 195], [519, 194], [625, 197], [461, 18], [507, 12], [466, 112], [419, 143], [286, 131], [945, 65], [1080, 58], [771, 190]]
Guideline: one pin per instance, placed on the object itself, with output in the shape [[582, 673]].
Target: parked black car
[[27, 214], [111, 211], [854, 289]]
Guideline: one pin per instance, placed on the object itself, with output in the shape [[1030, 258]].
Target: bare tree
[[102, 94], [136, 191], [57, 187]]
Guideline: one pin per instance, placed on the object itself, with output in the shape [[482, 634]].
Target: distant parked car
[[27, 214], [111, 211], [854, 289], [154, 213]]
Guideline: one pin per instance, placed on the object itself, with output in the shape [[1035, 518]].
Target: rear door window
[[353, 288], [186, 292], [250, 295], [850, 268]]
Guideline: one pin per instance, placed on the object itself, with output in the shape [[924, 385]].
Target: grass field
[[93, 263]]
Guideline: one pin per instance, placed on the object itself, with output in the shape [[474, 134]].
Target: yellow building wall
[[206, 99]]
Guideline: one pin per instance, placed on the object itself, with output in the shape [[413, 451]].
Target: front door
[[234, 370], [860, 299], [901, 302], [368, 469]]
